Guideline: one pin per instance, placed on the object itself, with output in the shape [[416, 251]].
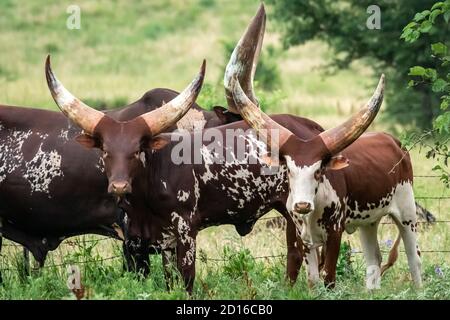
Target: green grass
[[126, 48]]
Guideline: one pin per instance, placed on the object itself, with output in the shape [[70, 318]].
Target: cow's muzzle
[[119, 188], [303, 207]]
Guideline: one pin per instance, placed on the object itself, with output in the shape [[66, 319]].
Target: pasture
[[124, 49]]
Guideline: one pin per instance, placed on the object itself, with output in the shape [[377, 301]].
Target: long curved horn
[[338, 138], [167, 115], [256, 118], [84, 116], [244, 59]]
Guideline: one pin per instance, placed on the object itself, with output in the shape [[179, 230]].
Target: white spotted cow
[[338, 182]]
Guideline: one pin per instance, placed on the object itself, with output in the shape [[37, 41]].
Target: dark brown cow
[[40, 165], [337, 184]]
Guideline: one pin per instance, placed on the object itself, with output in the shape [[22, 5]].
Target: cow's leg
[[169, 262], [331, 249], [413, 253], [26, 261], [186, 259], [294, 252], [312, 266], [372, 255], [404, 213], [138, 256], [407, 227]]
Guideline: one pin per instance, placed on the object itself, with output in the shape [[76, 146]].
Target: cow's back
[[377, 164]]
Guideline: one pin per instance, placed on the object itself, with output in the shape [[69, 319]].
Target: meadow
[[125, 48]]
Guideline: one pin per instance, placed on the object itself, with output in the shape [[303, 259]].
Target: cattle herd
[[157, 171]]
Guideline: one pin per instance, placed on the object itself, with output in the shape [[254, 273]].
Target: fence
[[273, 256]]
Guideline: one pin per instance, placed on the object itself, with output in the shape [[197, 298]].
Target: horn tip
[[262, 8], [203, 67]]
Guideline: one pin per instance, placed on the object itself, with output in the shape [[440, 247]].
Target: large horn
[[244, 59], [338, 138], [256, 118], [84, 116], [167, 115]]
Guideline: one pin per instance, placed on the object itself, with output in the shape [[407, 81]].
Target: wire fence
[[206, 259]]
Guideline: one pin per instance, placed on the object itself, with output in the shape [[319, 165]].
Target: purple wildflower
[[439, 271]]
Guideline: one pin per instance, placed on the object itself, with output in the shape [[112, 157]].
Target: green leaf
[[437, 5], [439, 85], [418, 17], [430, 73], [410, 25], [434, 14], [442, 123], [447, 16], [411, 83], [425, 26], [445, 104], [416, 71], [439, 48]]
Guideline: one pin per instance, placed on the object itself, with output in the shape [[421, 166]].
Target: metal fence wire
[[206, 259]]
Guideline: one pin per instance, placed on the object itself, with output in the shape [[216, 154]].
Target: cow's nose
[[120, 188], [302, 207]]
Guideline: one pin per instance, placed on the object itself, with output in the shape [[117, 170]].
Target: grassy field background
[[124, 49]]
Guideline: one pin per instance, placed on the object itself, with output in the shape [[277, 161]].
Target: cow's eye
[[137, 154]]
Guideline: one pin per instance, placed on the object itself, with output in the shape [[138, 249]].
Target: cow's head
[[308, 160], [123, 144]]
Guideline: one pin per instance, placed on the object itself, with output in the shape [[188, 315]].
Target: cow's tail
[[393, 255]]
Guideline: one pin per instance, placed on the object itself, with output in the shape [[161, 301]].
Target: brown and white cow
[[338, 182]]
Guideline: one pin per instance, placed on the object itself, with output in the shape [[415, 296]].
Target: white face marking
[[302, 184], [42, 169], [164, 184]]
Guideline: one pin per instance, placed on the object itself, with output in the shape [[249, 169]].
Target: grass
[[126, 48]]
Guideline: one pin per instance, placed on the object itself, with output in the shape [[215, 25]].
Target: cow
[[338, 182], [40, 164]]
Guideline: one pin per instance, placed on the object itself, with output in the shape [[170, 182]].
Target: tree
[[438, 79], [343, 25]]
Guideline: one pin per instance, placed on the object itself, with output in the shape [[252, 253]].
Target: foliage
[[240, 276], [438, 78], [344, 265], [342, 25]]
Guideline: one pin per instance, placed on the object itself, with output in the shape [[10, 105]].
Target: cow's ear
[[337, 163], [87, 141], [220, 113], [226, 116], [159, 142]]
